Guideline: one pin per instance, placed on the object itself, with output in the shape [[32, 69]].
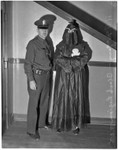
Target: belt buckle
[[38, 71]]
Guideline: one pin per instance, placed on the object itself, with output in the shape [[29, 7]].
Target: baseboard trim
[[10, 119], [94, 120], [103, 121], [20, 117]]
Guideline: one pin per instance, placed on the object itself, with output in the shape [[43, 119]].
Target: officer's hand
[[32, 85]]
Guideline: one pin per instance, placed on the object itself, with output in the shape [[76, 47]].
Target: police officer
[[38, 65]]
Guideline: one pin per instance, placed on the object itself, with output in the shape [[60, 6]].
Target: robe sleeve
[[62, 61], [79, 62]]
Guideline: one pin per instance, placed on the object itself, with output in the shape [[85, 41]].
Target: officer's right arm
[[29, 58]]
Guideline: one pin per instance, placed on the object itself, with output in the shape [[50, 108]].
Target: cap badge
[[43, 22]]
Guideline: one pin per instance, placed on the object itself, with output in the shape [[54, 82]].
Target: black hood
[[72, 35]]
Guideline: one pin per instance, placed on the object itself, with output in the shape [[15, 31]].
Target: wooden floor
[[94, 136]]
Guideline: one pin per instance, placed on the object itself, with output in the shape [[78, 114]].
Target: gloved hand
[[67, 68], [64, 63], [75, 64]]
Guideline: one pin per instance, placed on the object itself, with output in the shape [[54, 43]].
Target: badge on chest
[[75, 52]]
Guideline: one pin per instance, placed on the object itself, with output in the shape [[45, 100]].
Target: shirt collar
[[39, 38], [43, 42]]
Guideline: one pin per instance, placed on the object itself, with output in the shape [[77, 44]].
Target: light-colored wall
[[102, 92], [24, 15], [106, 11]]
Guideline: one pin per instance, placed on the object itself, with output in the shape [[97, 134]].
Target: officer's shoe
[[76, 131], [35, 136], [48, 126], [59, 130]]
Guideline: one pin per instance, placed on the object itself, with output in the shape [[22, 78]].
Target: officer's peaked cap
[[45, 21]]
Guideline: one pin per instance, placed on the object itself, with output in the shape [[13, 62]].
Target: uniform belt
[[39, 71]]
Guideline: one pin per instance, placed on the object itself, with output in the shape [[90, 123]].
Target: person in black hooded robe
[[71, 95]]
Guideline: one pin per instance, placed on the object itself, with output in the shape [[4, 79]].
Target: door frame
[[6, 51], [4, 69]]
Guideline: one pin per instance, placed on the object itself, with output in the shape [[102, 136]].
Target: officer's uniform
[[38, 64]]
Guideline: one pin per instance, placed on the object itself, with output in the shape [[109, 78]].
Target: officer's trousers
[[38, 103]]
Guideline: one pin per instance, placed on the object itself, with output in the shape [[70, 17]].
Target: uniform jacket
[[39, 55]]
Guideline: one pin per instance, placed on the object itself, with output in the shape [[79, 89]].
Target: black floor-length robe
[[71, 95]]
